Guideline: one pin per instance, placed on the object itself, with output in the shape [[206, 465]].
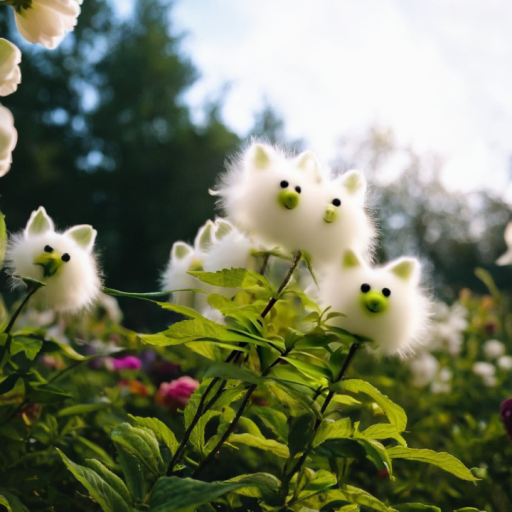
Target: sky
[[437, 72]]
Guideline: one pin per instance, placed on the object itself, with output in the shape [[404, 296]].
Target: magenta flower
[[176, 393], [506, 416], [126, 363]]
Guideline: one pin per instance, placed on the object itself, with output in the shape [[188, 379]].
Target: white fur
[[248, 195], [77, 284], [402, 325]]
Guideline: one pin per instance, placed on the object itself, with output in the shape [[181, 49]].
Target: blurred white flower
[[10, 73], [423, 369], [486, 371], [505, 362], [448, 326], [442, 382], [506, 259], [111, 307], [8, 139], [493, 349], [47, 21]]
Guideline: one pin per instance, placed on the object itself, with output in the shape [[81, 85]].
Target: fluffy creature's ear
[[351, 260], [408, 269], [260, 156], [83, 235], [39, 223], [223, 227], [308, 163], [180, 250], [204, 236], [355, 183]]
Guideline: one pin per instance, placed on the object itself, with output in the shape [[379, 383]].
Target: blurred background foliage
[[105, 138]]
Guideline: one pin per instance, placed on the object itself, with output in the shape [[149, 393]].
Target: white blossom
[[8, 139], [442, 382], [423, 369], [64, 261], [485, 370], [493, 349], [505, 362], [47, 21], [506, 259], [448, 326], [10, 73]]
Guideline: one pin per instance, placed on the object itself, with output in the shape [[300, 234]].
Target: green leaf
[[307, 258], [361, 497], [80, 409], [133, 474], [182, 310], [173, 494], [8, 383], [333, 430], [45, 394], [162, 432], [294, 399], [443, 460], [417, 507], [301, 431], [376, 452], [381, 431], [345, 399], [310, 369], [232, 278], [11, 502], [93, 448], [113, 480], [108, 497], [468, 509], [3, 239], [258, 485], [142, 443], [280, 449], [320, 482], [30, 346], [273, 419], [394, 412], [487, 279], [195, 399], [147, 296], [228, 371]]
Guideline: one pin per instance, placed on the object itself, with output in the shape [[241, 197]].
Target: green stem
[[14, 317]]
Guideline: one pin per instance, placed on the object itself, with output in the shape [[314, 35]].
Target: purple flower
[[176, 393], [506, 416], [126, 363]]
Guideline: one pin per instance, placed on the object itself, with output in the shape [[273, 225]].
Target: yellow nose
[[51, 263], [289, 199], [331, 214]]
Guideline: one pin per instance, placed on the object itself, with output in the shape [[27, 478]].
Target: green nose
[[289, 199], [374, 302], [331, 214], [51, 263]]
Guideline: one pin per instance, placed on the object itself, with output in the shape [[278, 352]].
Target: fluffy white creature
[[385, 303], [293, 204], [183, 258], [64, 261]]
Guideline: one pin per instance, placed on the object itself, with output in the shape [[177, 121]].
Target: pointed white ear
[[408, 269], [203, 238], [39, 223], [83, 235], [351, 260], [222, 228], [260, 156], [180, 250], [355, 183], [308, 163]]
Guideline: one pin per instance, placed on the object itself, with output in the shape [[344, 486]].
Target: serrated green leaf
[[228, 371], [273, 419], [416, 507], [361, 497], [232, 278], [11, 502], [309, 369], [443, 460], [280, 449], [108, 497], [162, 432], [182, 310], [381, 431], [111, 479], [394, 412], [333, 430], [30, 346], [141, 443]]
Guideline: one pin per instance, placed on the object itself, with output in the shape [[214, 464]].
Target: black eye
[[336, 202], [47, 248], [386, 292], [284, 184], [298, 189], [365, 288], [66, 257]]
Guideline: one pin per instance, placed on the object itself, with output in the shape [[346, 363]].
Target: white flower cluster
[[38, 21]]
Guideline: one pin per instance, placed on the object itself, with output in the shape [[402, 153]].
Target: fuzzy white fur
[[249, 191], [77, 284], [402, 325]]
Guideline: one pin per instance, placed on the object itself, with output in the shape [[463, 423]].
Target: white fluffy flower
[[442, 382], [506, 259], [385, 304], [8, 139], [505, 362], [423, 369], [47, 21], [485, 370], [448, 326], [493, 349], [10, 73], [64, 261], [290, 203]]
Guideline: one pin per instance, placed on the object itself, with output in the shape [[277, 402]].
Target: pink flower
[[176, 393], [126, 363]]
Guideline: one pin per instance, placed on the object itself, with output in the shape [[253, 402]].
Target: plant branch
[[33, 289]]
